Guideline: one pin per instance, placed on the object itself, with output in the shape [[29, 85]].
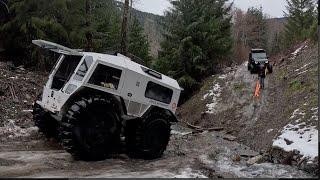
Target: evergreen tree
[[301, 15], [197, 38], [61, 21], [138, 42], [106, 25], [33, 19]]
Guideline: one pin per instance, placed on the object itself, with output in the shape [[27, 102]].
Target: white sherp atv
[[91, 100]]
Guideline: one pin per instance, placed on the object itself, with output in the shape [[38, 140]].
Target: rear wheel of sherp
[[148, 139], [90, 129]]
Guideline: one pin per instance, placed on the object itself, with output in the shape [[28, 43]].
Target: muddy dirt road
[[207, 154]]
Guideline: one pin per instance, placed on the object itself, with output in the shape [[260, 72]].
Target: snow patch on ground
[[215, 93], [301, 137], [303, 67], [28, 110], [270, 130], [305, 140], [296, 52], [14, 77], [224, 76], [11, 130], [189, 173], [303, 72], [174, 132], [298, 112]]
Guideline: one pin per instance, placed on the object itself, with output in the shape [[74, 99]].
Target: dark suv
[[256, 57]]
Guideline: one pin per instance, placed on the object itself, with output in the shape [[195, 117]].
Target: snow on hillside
[[297, 51], [215, 93], [299, 136]]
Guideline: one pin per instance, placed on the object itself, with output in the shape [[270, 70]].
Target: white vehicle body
[[132, 84]]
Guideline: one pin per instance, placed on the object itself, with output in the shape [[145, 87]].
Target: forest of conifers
[[198, 37]]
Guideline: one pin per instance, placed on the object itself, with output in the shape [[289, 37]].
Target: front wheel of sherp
[[90, 129]]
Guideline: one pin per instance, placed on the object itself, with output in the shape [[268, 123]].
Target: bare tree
[[89, 36], [124, 28]]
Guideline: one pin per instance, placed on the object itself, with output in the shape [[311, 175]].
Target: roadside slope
[[288, 105]]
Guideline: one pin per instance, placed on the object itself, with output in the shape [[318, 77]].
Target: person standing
[[262, 73]]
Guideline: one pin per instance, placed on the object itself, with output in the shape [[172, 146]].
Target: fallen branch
[[11, 92], [215, 129], [301, 161], [192, 126], [201, 129]]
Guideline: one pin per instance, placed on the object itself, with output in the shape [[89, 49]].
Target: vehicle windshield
[[259, 55], [65, 70]]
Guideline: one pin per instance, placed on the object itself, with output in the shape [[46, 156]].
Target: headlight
[[256, 62], [267, 62]]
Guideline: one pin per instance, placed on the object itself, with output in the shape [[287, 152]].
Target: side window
[[159, 93], [105, 76], [83, 69]]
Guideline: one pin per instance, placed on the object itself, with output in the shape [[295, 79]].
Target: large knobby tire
[[249, 67], [90, 129], [148, 139], [44, 121]]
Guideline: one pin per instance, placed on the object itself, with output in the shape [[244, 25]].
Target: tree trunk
[[89, 45], [124, 29]]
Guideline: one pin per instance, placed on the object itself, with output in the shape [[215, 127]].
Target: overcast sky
[[274, 8]]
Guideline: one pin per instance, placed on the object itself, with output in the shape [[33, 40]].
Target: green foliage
[[295, 85], [239, 87], [197, 37], [313, 33], [301, 15], [63, 22], [138, 42], [33, 19]]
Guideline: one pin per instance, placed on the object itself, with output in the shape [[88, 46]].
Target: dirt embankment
[[18, 91], [286, 108]]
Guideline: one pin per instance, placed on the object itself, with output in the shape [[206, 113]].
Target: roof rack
[[152, 72]]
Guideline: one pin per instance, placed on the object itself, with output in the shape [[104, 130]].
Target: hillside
[[284, 119], [152, 28], [274, 27]]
